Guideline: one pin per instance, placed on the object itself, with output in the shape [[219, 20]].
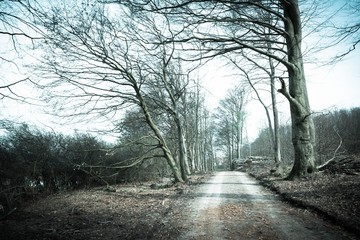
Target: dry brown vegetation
[[333, 193]]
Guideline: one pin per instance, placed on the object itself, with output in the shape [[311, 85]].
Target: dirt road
[[232, 205]]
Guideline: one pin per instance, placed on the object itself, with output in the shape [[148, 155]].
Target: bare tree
[[257, 72], [168, 94], [6, 91], [221, 27], [231, 113], [341, 27], [196, 126], [97, 63], [17, 35]]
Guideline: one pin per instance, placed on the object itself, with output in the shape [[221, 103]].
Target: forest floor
[[333, 194], [142, 211]]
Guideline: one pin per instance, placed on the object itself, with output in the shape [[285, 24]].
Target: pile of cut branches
[[349, 164]]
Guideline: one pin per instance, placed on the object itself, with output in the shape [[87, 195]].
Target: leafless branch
[[335, 152]]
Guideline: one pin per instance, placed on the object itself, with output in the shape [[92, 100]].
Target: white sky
[[335, 86]]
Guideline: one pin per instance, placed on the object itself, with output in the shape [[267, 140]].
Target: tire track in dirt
[[232, 205]]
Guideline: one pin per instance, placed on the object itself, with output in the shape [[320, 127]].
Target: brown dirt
[[140, 212], [132, 212]]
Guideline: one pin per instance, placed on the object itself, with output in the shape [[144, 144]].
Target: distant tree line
[[338, 133]]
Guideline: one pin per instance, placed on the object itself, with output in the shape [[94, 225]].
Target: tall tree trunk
[[276, 137], [212, 152], [275, 133], [197, 139], [303, 132], [239, 136], [229, 143], [192, 157], [275, 140], [184, 166], [163, 145]]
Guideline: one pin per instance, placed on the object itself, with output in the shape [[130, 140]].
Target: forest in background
[[36, 162], [338, 133]]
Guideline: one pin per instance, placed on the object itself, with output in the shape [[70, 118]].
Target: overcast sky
[[330, 87]]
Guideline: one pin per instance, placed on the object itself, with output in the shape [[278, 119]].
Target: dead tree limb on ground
[[323, 166], [343, 164], [348, 164]]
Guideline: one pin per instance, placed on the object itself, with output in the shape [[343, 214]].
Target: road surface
[[232, 205]]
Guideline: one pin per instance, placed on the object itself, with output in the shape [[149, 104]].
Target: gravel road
[[232, 205]]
